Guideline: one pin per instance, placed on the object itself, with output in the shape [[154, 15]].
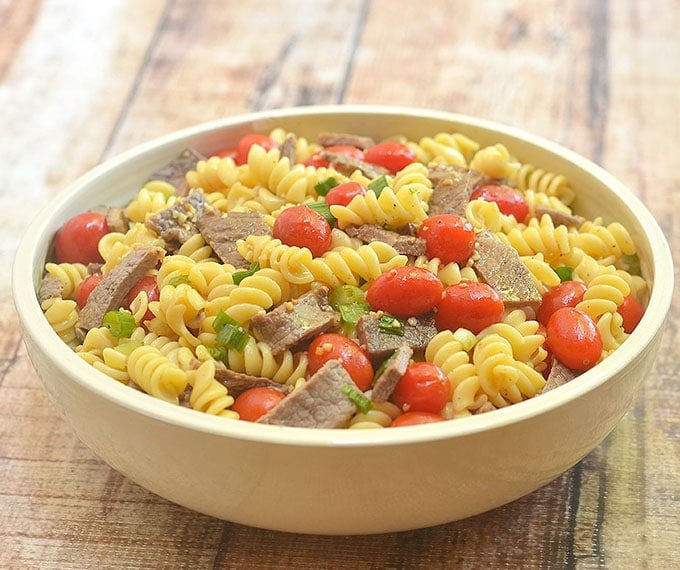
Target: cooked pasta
[[263, 301]]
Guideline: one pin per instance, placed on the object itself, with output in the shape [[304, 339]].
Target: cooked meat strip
[[176, 224], [405, 244], [396, 367], [452, 188], [117, 220], [51, 287], [319, 403], [175, 171], [559, 374], [110, 292], [221, 232], [346, 164], [559, 218], [418, 331], [296, 320], [237, 382], [342, 139], [499, 265], [289, 148]]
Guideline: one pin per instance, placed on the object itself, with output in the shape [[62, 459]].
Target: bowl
[[326, 481]]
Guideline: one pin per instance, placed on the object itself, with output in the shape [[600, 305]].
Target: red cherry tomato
[[631, 310], [423, 388], [148, 284], [449, 237], [334, 346], [415, 418], [510, 201], [85, 287], [566, 294], [405, 291], [227, 153], [303, 227], [255, 402], [243, 146], [317, 160], [78, 238], [391, 155], [342, 194], [574, 338], [470, 305]]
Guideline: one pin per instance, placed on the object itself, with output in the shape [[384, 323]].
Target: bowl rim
[[36, 327]]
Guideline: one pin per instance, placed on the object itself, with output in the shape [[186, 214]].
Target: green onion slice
[[223, 319], [218, 353], [121, 323], [127, 346], [362, 403], [239, 276], [564, 273], [324, 186], [378, 184], [466, 338], [179, 280], [391, 325], [323, 209], [230, 333]]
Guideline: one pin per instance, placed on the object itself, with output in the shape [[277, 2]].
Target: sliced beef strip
[[559, 218], [559, 374], [117, 220], [396, 367], [452, 188], [499, 265], [344, 139], [238, 382], [175, 171], [346, 164], [221, 232], [51, 287], [319, 403], [110, 293], [176, 224], [295, 321], [404, 244], [289, 148], [418, 332]]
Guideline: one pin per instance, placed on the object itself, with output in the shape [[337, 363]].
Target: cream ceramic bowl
[[342, 481]]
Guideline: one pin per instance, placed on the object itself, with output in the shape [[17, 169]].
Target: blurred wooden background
[[81, 81]]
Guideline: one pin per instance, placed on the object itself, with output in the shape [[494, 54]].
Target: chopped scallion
[[351, 312], [239, 276], [391, 325], [466, 338], [378, 184], [218, 353], [233, 337], [223, 319], [564, 273], [324, 186], [127, 346], [323, 209], [178, 280], [362, 403], [121, 323]]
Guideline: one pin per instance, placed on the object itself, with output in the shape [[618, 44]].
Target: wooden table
[[82, 81]]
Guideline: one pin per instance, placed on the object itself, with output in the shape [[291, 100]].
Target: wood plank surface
[[83, 81]]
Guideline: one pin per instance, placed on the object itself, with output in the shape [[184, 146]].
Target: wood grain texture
[[81, 82]]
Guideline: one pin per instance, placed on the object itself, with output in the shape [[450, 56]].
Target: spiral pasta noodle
[[156, 374], [69, 274]]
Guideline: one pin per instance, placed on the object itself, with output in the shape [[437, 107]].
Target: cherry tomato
[[85, 287], [391, 155], [405, 291], [243, 146], [574, 338], [317, 160], [334, 346], [342, 194], [566, 294], [78, 238], [449, 237], [510, 201], [303, 227], [423, 388], [255, 402], [470, 305], [415, 418], [227, 153], [148, 284], [631, 310]]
